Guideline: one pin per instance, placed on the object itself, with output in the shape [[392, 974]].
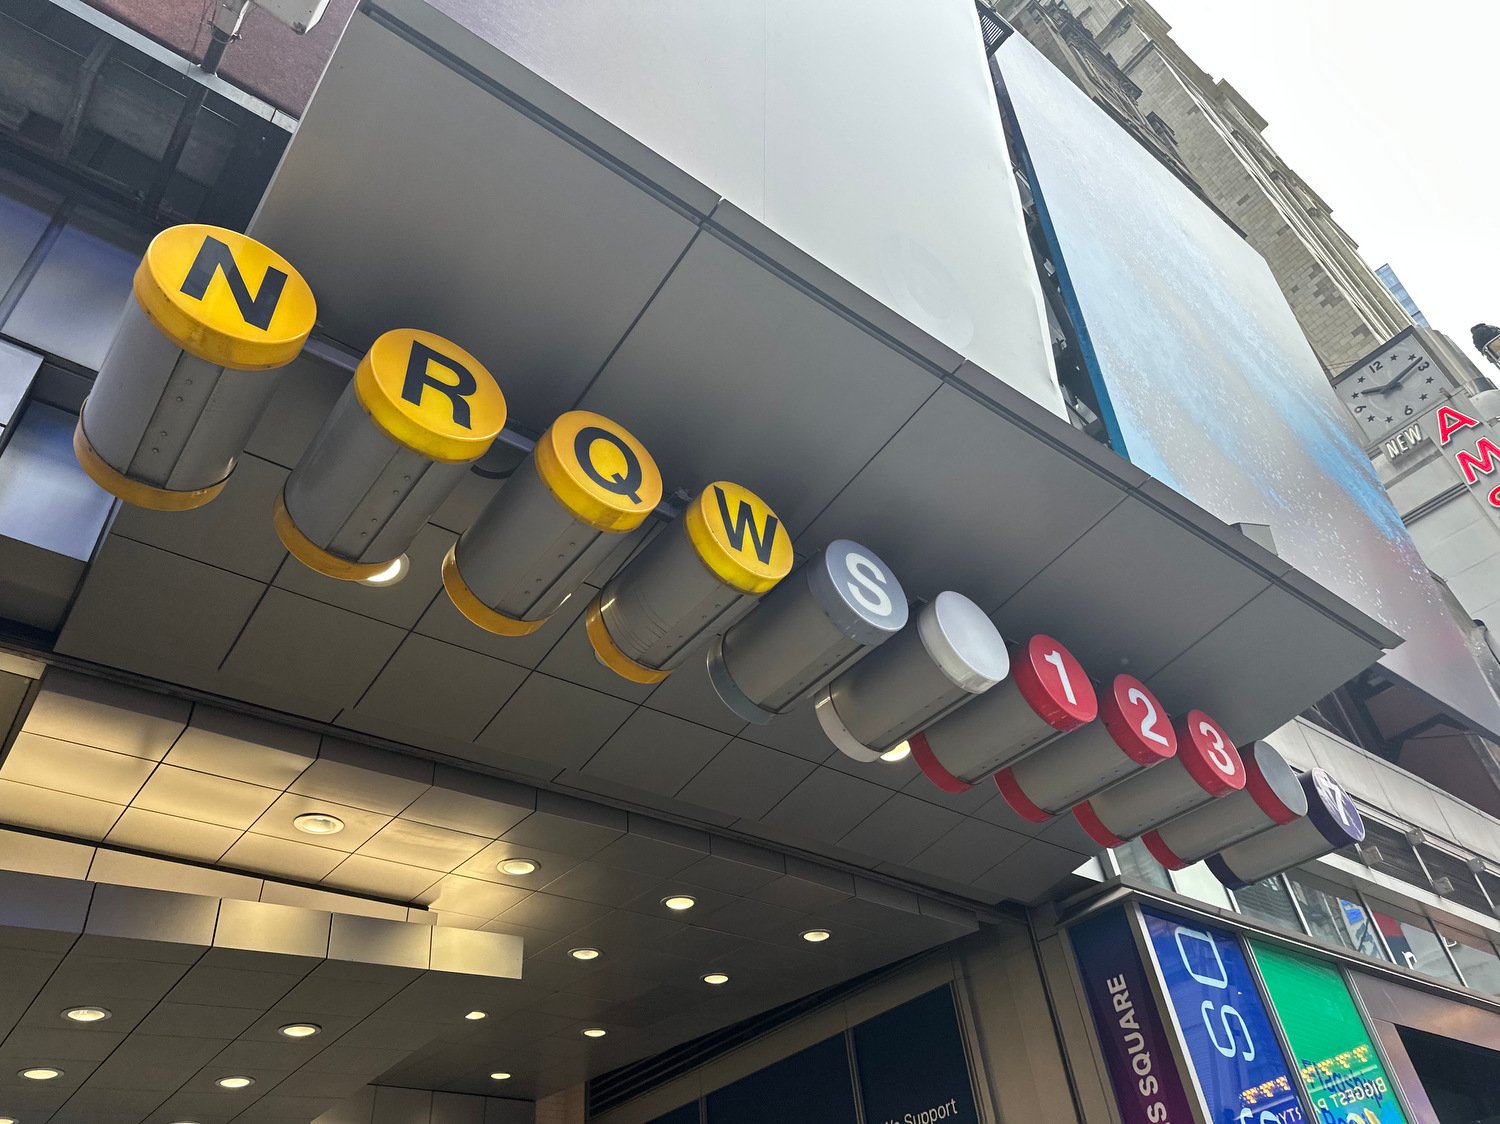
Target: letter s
[[1229, 1048], [872, 578], [1148, 1085], [1157, 1113]]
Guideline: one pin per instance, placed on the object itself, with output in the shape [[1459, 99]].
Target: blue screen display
[[1240, 1067], [1207, 381]]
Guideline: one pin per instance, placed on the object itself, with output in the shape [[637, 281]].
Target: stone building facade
[[1122, 54]]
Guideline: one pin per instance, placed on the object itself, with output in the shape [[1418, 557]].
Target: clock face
[[1390, 391]]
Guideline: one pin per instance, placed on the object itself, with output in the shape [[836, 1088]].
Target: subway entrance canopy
[[494, 178]]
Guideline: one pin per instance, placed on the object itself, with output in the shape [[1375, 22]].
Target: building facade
[[568, 565], [1122, 54]]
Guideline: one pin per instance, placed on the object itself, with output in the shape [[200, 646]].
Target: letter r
[[419, 376]]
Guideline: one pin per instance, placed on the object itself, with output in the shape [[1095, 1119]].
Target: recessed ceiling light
[[595, 1032], [716, 978], [816, 936], [519, 867], [475, 1016], [41, 1073], [8, 1120], [584, 953], [391, 574], [501, 1076], [679, 902], [899, 752], [87, 1014], [318, 823], [234, 1082], [299, 1030]]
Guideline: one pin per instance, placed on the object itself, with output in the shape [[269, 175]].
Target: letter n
[[216, 257]]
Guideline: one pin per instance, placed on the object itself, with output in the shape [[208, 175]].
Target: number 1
[[1056, 660]]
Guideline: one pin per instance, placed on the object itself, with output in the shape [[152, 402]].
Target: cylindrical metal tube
[[1048, 695], [1271, 796], [692, 580], [190, 368], [838, 606], [1133, 734], [585, 482], [1332, 823], [419, 411], [1207, 766], [948, 655]]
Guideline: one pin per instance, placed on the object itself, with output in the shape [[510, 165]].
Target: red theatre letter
[[1495, 497], [1450, 421], [1485, 462]]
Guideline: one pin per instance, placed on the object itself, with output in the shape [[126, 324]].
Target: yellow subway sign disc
[[431, 395], [739, 537], [224, 297], [598, 471]]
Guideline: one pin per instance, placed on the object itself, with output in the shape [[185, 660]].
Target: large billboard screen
[[1207, 380]]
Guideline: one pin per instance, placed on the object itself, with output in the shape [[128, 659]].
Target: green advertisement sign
[[1330, 1045]]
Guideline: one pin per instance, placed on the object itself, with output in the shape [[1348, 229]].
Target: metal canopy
[[437, 182]]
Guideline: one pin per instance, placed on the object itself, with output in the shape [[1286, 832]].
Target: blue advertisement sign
[[1241, 1069]]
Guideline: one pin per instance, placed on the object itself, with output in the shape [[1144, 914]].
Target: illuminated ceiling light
[[41, 1073], [595, 1032], [318, 823], [299, 1030], [501, 1076], [390, 575], [679, 902], [899, 752], [8, 1120], [475, 1016], [584, 953], [87, 1014], [234, 1082], [519, 867], [716, 978], [816, 936]]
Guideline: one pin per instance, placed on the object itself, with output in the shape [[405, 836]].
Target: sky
[[1391, 113]]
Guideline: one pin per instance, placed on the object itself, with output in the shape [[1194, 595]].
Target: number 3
[[1219, 752]]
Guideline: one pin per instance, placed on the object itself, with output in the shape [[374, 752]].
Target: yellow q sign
[[598, 471]]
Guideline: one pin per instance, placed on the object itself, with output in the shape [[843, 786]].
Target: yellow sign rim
[[609, 652], [213, 345], [475, 611], [392, 419], [588, 500], [133, 492], [720, 557], [313, 556]]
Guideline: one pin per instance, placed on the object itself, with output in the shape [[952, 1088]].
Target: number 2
[[1055, 659], [1148, 724]]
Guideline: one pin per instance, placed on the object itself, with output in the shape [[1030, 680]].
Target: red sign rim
[[1027, 661]]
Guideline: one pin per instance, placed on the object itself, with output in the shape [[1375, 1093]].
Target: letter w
[[744, 520], [1484, 462], [215, 257]]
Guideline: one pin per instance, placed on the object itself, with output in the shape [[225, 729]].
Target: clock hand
[[1395, 382]]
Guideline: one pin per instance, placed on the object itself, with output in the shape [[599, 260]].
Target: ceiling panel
[[745, 780], [655, 752], [726, 335], [557, 723], [233, 533], [432, 687], [303, 647], [574, 274]]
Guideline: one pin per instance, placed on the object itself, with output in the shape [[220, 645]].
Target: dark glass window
[[1335, 914]]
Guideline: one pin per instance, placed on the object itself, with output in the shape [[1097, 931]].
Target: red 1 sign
[[1054, 684]]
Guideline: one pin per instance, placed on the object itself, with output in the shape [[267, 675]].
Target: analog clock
[[1393, 387]]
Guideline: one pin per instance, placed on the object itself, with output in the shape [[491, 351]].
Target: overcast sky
[[1391, 112]]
